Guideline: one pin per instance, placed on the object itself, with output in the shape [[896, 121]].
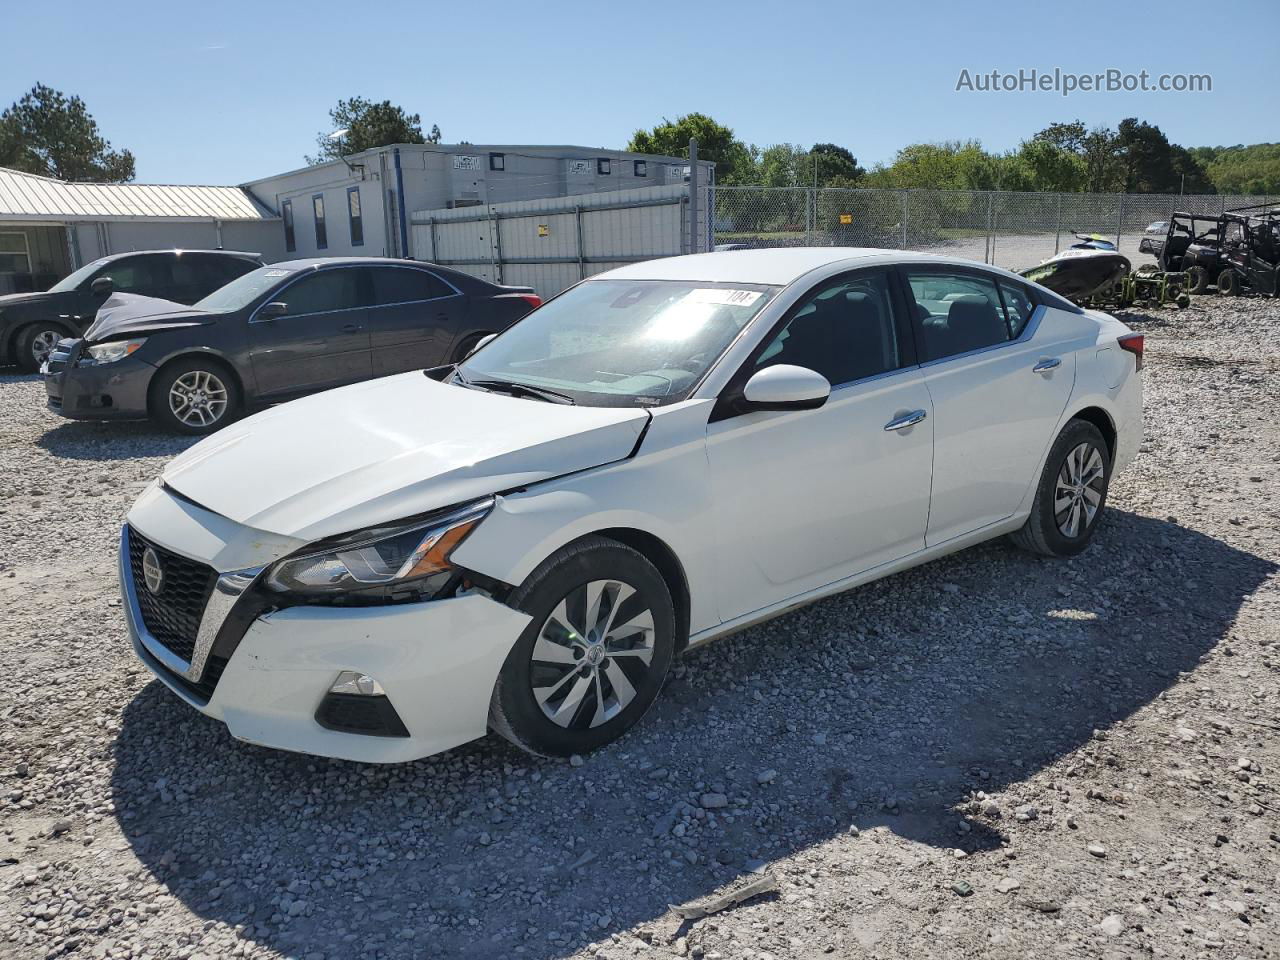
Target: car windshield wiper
[[517, 389]]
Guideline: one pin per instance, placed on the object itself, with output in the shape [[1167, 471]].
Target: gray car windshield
[[243, 290], [620, 342]]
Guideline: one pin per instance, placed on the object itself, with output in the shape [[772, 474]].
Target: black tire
[[1197, 280], [216, 415], [514, 710], [34, 343], [1042, 533], [466, 346], [1228, 283]]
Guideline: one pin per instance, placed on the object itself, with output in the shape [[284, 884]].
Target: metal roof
[[24, 196]]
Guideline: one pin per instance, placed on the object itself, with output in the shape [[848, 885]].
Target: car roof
[[349, 262], [777, 266], [180, 250]]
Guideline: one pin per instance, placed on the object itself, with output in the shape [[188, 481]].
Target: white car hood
[[379, 451]]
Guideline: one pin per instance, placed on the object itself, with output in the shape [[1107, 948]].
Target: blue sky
[[227, 92]]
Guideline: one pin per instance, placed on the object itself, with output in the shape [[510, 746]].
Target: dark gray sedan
[[273, 334]]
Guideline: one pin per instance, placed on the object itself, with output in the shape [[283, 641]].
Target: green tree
[[716, 142], [367, 125], [1103, 168], [52, 135], [1253, 169], [1051, 167], [836, 165]]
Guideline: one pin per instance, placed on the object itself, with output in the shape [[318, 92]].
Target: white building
[[363, 204]]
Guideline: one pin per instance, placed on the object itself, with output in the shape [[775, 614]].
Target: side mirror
[[786, 387], [482, 342], [102, 287], [269, 311]]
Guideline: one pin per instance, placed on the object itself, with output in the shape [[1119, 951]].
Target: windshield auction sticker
[[722, 295]]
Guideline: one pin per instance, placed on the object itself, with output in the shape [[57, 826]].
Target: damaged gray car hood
[[127, 313]]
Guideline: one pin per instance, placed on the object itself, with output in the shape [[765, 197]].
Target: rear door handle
[[906, 420], [1049, 363], [350, 327]]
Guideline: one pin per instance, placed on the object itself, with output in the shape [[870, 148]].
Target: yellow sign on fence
[[846, 218]]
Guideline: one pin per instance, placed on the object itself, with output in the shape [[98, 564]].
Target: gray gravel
[[994, 755]]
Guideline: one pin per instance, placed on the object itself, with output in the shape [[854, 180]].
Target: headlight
[[113, 350], [402, 555]]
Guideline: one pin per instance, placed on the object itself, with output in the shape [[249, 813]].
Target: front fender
[[661, 491]]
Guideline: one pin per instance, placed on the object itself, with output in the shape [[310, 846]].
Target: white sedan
[[661, 455]]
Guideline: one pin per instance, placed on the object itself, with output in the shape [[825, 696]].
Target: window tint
[[353, 214], [956, 313], [844, 331], [1017, 307], [322, 235], [405, 285], [286, 213], [145, 275], [323, 291]]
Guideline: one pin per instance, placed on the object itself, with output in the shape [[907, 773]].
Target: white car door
[[997, 393], [805, 498]]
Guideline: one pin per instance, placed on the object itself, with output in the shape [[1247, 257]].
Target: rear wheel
[[593, 658], [35, 343], [1197, 280], [195, 396], [1228, 283], [1071, 494]]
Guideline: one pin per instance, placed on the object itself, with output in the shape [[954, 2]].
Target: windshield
[[621, 342], [243, 290], [73, 280]]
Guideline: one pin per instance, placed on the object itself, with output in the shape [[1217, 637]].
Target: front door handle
[[350, 327], [906, 420], [1049, 363]]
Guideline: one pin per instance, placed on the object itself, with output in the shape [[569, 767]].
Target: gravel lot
[[993, 755]]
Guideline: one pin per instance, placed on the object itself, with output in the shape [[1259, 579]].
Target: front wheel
[[194, 396], [1071, 494], [1228, 283], [35, 343], [594, 656]]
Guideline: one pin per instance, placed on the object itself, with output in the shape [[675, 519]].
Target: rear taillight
[[1133, 343], [533, 300]]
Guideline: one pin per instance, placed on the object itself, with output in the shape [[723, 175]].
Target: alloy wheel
[[592, 651], [1079, 489], [198, 398], [43, 343]]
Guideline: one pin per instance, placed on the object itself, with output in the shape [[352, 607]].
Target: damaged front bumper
[[436, 662]]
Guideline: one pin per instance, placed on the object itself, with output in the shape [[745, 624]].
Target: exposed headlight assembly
[[382, 561], [112, 350]]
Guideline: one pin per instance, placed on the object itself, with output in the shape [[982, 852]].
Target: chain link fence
[[1006, 228]]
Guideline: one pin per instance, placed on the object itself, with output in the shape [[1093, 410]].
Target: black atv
[[1250, 251], [1192, 245]]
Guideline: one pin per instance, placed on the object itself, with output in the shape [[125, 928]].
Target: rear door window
[[406, 285], [955, 313], [1017, 307]]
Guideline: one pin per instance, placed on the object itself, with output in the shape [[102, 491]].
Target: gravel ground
[[993, 755]]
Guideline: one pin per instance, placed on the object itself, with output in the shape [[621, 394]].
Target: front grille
[[173, 615]]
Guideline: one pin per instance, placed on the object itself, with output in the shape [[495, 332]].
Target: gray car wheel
[[195, 396]]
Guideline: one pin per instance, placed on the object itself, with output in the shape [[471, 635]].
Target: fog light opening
[[357, 684]]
